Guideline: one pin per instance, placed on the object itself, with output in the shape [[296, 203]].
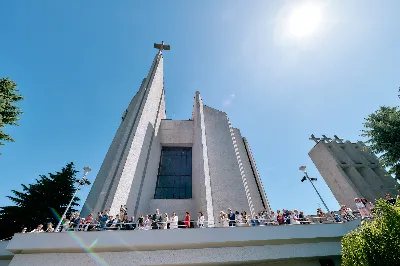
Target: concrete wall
[[350, 171], [201, 182], [257, 176], [115, 178], [251, 183], [132, 169], [226, 180], [189, 256], [341, 186], [143, 188], [177, 133], [180, 247], [107, 174]]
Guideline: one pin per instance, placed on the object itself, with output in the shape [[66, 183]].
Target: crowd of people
[[121, 221]]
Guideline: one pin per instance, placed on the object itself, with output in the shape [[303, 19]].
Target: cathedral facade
[[201, 164]]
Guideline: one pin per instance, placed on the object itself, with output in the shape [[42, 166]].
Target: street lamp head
[[303, 168], [87, 169]]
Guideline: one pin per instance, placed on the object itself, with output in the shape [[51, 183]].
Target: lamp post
[[82, 182], [303, 169]]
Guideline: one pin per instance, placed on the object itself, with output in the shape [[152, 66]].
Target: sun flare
[[304, 20]]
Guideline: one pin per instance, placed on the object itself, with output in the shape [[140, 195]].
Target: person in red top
[[279, 217], [187, 220], [88, 221]]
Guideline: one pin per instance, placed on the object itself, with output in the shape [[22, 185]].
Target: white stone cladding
[[250, 181], [240, 157], [351, 172], [119, 167], [107, 174], [226, 181], [142, 138], [143, 188], [201, 180], [222, 173]]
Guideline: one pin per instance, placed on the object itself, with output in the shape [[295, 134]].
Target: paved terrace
[[178, 246]]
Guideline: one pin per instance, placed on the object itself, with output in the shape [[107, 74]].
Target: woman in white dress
[[174, 221], [225, 220], [165, 221], [293, 218], [147, 223], [200, 220]]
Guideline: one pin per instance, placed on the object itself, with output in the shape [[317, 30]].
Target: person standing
[[200, 220], [147, 222], [187, 220], [279, 217], [123, 211], [361, 208], [232, 218], [368, 205], [156, 220], [174, 221], [390, 200], [39, 229], [140, 221], [103, 218], [164, 221]]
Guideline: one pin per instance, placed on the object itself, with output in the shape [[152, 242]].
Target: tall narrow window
[[174, 179]]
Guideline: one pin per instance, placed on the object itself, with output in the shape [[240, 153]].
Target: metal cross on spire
[[325, 138], [314, 138], [161, 47], [338, 139]]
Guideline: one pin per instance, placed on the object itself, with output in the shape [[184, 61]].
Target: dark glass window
[[174, 179]]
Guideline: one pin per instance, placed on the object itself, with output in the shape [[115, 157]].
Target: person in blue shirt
[[286, 216], [231, 217], [337, 217], [103, 217]]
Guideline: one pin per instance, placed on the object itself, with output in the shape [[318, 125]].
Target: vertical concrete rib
[[242, 173], [132, 132], [259, 183], [148, 156], [207, 179]]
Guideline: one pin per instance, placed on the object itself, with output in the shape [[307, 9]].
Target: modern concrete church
[[201, 164], [176, 165]]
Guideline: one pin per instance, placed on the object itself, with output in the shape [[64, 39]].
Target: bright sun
[[304, 20]]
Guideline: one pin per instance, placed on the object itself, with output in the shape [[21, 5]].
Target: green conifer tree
[[39, 203]]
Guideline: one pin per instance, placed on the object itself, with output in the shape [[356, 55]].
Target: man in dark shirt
[[103, 217], [390, 200], [156, 220], [286, 216], [231, 217]]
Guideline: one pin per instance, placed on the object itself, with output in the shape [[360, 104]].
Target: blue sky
[[78, 64]]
